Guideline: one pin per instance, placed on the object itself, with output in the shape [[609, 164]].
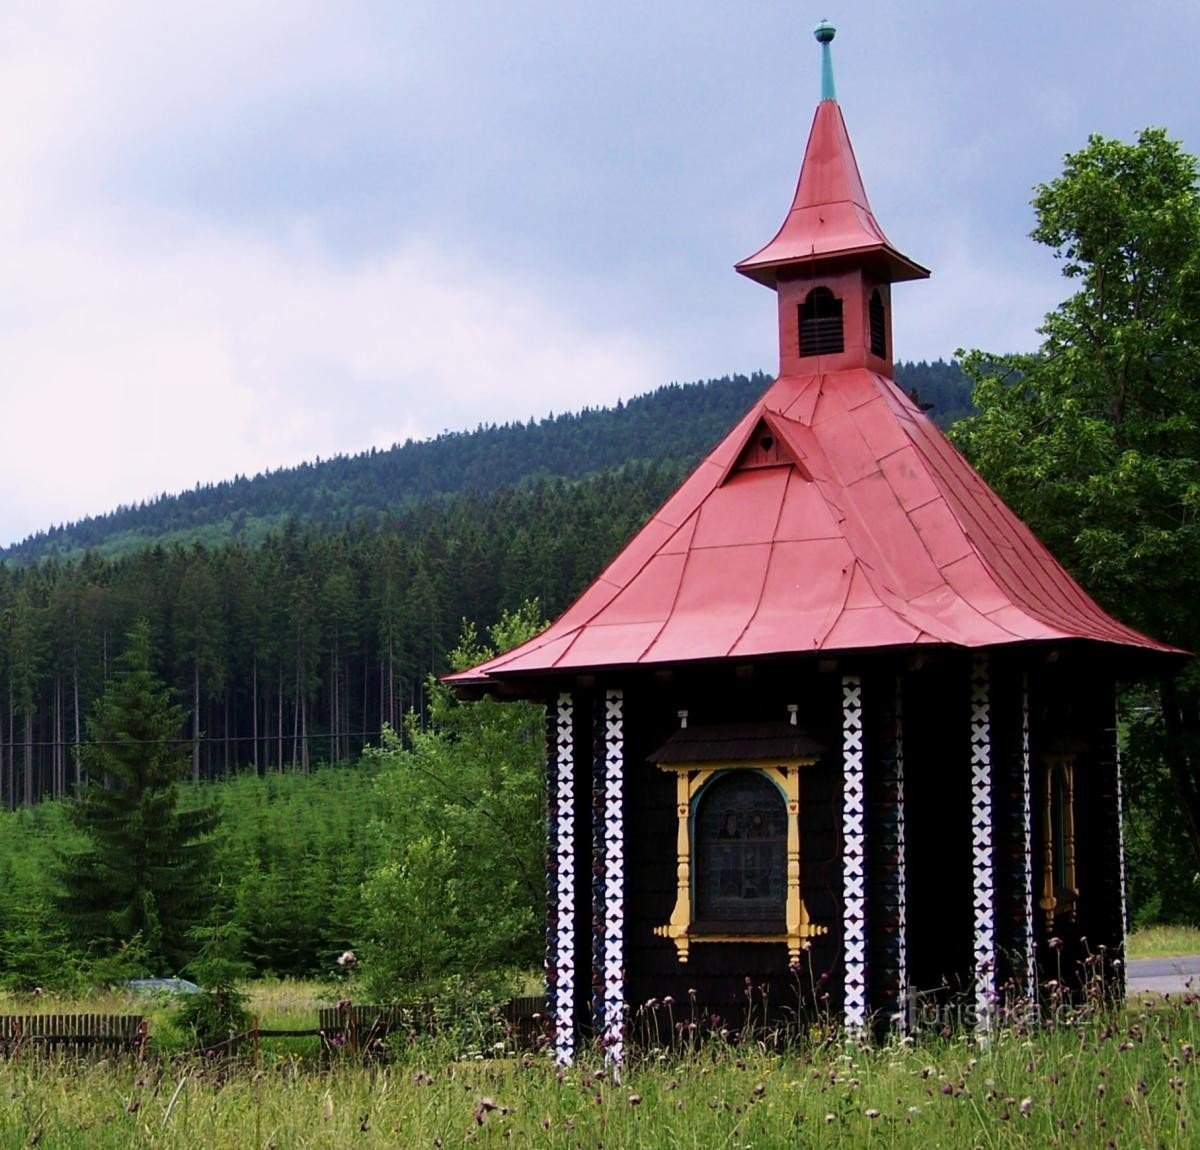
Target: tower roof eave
[[765, 266]]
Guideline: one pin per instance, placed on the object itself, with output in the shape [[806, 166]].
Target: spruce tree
[[143, 873]]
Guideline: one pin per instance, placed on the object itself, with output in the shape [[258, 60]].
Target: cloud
[[145, 368], [234, 237], [150, 341]]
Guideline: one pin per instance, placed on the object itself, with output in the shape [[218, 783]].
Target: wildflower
[[1056, 944], [829, 1118], [871, 1113], [635, 1100], [1100, 1090], [347, 960]]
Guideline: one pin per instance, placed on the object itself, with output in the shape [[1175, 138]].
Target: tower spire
[[830, 217], [825, 32]]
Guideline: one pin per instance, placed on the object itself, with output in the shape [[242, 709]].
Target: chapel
[[834, 730]]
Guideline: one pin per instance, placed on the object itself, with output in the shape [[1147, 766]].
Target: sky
[[238, 236]]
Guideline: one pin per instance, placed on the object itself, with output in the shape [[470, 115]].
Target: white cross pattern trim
[[854, 933], [1120, 831], [983, 884], [613, 1022], [1027, 830], [902, 872], [563, 1006]]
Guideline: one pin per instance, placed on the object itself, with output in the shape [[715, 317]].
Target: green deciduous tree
[[460, 882], [1095, 439], [144, 871]]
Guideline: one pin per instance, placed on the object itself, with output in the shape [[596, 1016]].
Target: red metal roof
[[830, 215], [870, 531], [833, 517]]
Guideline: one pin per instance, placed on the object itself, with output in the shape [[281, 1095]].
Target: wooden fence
[[360, 1029], [76, 1034]]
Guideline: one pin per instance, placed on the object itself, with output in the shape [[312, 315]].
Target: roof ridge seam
[[766, 569]]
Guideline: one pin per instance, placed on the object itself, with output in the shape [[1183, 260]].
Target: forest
[[301, 645], [674, 424]]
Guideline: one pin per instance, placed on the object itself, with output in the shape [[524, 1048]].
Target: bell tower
[[830, 263]]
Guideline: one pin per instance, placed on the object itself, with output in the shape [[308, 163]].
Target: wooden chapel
[[834, 713]]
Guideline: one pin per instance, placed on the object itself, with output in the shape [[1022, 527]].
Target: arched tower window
[[741, 827], [821, 323], [878, 328]]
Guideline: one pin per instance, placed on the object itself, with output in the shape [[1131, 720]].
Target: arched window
[[821, 323], [878, 327], [738, 863], [1059, 892], [741, 829]]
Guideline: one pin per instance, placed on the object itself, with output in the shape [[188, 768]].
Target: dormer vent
[[821, 331]]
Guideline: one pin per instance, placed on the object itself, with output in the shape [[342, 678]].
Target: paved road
[[1164, 975]]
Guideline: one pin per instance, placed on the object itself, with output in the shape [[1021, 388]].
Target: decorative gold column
[[1056, 899], [690, 779]]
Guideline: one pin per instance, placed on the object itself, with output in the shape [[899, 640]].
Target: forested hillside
[[300, 646], [673, 425]]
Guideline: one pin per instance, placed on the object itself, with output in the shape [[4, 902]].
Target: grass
[[1125, 1079], [1163, 942]]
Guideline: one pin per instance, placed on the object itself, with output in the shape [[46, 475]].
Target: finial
[[825, 32]]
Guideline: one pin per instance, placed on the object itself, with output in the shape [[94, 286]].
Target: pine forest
[[298, 614]]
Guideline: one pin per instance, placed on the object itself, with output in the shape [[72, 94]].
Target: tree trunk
[[29, 758], [333, 709], [304, 764], [78, 739], [279, 716], [296, 725], [59, 759], [11, 795], [195, 722], [4, 784], [254, 710]]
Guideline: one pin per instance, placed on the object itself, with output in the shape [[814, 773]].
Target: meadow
[[1120, 1078]]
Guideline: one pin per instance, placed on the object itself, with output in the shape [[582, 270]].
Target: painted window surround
[[683, 929]]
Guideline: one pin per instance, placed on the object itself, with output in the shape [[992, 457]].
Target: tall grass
[[1121, 1079]]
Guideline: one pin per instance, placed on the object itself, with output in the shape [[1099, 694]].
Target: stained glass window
[[741, 854]]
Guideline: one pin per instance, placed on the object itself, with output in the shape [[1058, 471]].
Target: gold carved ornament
[[1058, 838], [690, 779]]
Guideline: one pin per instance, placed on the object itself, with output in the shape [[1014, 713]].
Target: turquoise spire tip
[[825, 32]]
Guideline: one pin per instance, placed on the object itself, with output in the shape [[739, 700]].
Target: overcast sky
[[237, 236]]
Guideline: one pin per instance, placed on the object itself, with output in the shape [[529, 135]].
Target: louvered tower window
[[821, 323], [878, 329]]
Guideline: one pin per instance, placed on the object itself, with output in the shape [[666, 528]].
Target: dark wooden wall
[[721, 981]]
